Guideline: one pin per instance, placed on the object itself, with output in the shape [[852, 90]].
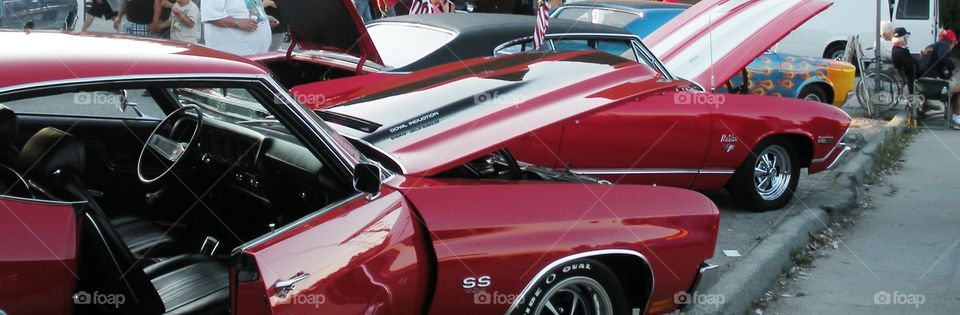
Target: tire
[[835, 50], [751, 191], [578, 278], [814, 93]]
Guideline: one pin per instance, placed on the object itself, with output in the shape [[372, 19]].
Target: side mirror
[[366, 179], [122, 101]]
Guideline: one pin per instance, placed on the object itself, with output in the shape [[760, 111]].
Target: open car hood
[[435, 119], [330, 25], [715, 39]]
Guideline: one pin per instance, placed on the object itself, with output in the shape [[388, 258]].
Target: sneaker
[[955, 122]]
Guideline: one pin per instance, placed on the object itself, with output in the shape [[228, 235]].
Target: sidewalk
[[903, 256]]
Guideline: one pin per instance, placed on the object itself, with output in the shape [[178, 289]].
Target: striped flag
[[423, 7], [542, 23]]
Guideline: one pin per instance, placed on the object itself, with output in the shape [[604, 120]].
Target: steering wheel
[[163, 145]]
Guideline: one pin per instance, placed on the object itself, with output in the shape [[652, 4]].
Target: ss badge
[[476, 282]]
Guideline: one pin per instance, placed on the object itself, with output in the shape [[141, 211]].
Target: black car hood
[[331, 25]]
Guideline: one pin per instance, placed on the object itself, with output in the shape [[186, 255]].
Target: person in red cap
[[935, 62]]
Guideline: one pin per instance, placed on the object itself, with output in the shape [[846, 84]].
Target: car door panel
[[358, 257], [38, 256], [661, 140], [112, 149]]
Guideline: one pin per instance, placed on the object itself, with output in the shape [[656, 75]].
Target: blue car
[[772, 74]]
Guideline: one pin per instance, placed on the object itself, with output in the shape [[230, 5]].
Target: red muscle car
[[687, 137], [143, 176]]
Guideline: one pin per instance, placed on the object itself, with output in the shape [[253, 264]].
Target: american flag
[[423, 7], [542, 23]]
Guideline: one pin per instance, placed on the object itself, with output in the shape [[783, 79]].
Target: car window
[[598, 16], [913, 9], [103, 104], [617, 47], [620, 48], [402, 44]]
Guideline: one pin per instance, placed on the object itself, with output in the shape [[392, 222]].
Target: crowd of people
[[934, 61], [242, 27]]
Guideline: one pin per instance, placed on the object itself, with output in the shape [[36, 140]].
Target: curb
[[758, 271]]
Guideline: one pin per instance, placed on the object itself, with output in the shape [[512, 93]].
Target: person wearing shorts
[[95, 9]]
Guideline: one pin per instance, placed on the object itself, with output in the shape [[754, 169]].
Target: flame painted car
[[774, 74], [752, 145], [145, 176]]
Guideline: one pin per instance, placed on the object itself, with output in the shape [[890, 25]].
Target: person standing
[[183, 25], [94, 9], [139, 15], [363, 8], [240, 27]]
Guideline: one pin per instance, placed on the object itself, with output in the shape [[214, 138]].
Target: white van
[[825, 35]]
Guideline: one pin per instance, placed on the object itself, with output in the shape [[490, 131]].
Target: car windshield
[[401, 44]]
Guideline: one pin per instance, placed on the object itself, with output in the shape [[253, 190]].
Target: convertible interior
[[171, 184]]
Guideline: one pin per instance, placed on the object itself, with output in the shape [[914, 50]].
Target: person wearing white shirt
[[886, 42], [240, 27]]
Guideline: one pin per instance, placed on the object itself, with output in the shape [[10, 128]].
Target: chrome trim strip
[[139, 77], [649, 171], [555, 263], [717, 171], [636, 171], [289, 226]]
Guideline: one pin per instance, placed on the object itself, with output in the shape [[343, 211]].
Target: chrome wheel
[[813, 97], [772, 172], [576, 295]]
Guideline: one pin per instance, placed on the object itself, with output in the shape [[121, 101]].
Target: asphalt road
[[903, 256]]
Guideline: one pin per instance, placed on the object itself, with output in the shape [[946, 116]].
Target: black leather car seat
[[192, 283], [143, 237]]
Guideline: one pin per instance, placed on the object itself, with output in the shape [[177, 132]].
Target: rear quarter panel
[[509, 231], [750, 119]]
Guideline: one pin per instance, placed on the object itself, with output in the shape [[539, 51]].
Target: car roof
[[40, 56], [478, 34], [629, 5]]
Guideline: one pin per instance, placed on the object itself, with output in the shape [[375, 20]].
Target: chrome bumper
[[843, 152], [707, 276]]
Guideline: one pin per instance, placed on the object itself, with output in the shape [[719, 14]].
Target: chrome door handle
[[285, 286]]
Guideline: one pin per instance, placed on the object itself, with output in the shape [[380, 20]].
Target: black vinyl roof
[[628, 5], [478, 34]]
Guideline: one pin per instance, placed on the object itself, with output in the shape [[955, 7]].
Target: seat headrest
[[50, 150], [8, 123]]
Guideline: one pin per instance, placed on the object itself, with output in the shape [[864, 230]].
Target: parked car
[[775, 74], [479, 6], [754, 146], [38, 14], [172, 178], [826, 34]]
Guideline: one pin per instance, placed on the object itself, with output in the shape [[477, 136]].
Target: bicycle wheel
[[882, 97]]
